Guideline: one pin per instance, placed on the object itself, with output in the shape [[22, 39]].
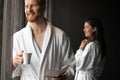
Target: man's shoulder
[[19, 32], [55, 28], [59, 32]]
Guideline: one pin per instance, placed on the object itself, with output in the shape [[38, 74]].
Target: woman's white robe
[[56, 52], [89, 65]]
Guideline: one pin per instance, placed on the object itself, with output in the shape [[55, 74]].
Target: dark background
[[69, 14]]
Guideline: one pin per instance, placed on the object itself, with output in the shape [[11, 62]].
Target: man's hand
[[63, 77], [18, 59]]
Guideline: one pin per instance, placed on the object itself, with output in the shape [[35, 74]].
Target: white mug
[[26, 58]]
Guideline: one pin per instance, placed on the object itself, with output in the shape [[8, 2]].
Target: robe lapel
[[46, 38], [37, 57], [40, 57], [46, 41], [29, 39]]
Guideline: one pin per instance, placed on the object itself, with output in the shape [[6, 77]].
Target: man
[[49, 45]]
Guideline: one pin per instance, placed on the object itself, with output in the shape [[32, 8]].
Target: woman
[[90, 55]]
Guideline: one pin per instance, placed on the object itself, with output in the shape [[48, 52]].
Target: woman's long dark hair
[[99, 34]]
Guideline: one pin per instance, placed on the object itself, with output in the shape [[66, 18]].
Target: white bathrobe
[[89, 65], [56, 52]]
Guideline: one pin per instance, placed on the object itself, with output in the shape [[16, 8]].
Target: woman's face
[[88, 30]]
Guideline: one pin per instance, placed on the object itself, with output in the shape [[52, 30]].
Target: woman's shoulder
[[93, 44]]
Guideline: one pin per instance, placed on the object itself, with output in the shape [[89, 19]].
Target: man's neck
[[39, 26], [38, 31]]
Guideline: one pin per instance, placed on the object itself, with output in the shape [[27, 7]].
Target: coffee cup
[[26, 58]]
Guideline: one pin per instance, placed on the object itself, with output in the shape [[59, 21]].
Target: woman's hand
[[84, 43]]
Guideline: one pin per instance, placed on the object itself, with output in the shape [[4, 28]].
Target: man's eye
[[26, 6]]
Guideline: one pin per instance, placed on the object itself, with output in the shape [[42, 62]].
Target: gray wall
[[1, 20], [68, 15]]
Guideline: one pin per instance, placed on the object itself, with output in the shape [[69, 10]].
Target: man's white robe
[[56, 52], [89, 65]]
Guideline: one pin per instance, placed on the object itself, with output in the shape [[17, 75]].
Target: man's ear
[[94, 29]]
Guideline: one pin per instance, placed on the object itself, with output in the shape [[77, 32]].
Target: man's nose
[[29, 8]]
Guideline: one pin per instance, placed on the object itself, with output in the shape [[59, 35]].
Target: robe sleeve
[[17, 41], [68, 56], [18, 44], [15, 45], [16, 73], [85, 59]]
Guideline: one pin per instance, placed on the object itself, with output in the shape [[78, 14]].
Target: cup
[[26, 58]]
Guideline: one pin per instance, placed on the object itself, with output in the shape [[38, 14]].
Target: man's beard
[[33, 18]]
